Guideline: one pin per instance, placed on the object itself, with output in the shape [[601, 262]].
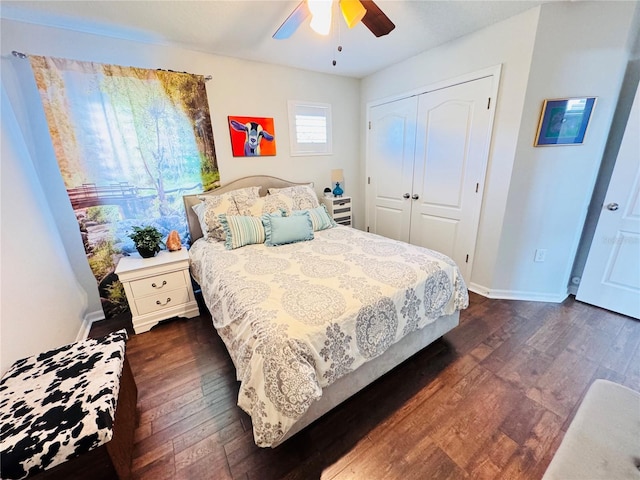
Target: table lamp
[[337, 177]]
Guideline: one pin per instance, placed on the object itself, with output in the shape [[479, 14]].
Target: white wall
[[580, 50], [41, 302], [238, 88], [475, 52], [534, 197]]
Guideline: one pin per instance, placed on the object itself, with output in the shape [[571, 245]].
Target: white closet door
[[611, 277], [453, 133], [390, 167]]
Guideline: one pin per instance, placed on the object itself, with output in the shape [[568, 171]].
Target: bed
[[310, 323]]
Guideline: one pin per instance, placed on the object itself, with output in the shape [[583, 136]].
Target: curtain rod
[[24, 55]]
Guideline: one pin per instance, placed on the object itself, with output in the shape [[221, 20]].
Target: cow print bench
[[69, 413]]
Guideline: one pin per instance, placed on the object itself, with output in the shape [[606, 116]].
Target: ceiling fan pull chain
[[336, 26]]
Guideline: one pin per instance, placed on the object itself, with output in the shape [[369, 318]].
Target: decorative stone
[[173, 241]]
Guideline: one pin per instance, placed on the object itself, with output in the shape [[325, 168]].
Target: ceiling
[[243, 29]]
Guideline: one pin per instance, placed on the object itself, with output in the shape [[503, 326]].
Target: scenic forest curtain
[[129, 143]]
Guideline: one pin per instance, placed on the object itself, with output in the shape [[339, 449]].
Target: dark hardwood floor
[[491, 400]]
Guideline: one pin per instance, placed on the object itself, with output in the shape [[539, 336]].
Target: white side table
[[339, 209], [157, 288]]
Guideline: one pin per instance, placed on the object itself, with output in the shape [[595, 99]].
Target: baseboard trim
[[517, 294], [87, 321]]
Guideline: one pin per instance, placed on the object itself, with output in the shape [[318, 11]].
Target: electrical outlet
[[541, 255]]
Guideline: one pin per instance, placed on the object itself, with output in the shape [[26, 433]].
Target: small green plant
[[147, 240]]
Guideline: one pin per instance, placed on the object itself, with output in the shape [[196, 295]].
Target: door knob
[[415, 196], [406, 195], [613, 207]]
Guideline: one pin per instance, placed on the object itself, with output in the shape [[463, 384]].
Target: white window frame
[[309, 108]]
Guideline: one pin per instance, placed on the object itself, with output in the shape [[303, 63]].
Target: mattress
[[296, 318]]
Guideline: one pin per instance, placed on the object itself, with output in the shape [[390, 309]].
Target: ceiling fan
[[353, 12]]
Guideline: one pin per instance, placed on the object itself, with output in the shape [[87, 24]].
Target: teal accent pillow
[[282, 230], [241, 230], [319, 218]]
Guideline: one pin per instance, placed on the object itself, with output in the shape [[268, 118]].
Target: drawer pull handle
[[158, 302], [164, 282]]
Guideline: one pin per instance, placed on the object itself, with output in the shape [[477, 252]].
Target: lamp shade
[[337, 175]]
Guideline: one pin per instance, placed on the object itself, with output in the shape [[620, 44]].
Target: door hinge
[[367, 229], [368, 180], [369, 125], [488, 103], [466, 260], [477, 187]]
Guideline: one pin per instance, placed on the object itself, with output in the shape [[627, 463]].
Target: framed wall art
[[564, 121], [252, 136]]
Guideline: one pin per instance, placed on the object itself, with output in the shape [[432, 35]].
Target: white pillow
[[304, 196], [199, 209], [215, 205], [269, 204]]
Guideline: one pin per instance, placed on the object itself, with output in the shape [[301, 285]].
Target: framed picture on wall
[[252, 136], [564, 121]]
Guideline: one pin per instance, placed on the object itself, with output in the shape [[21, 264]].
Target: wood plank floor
[[490, 400]]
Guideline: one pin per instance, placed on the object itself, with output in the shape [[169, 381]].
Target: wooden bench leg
[[120, 447]]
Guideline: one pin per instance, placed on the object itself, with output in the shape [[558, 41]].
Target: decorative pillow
[[303, 196], [319, 218], [282, 230], [241, 230], [199, 208], [208, 211], [245, 195], [269, 204], [214, 205]]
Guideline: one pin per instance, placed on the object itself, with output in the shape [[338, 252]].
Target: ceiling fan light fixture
[[320, 15], [353, 11]]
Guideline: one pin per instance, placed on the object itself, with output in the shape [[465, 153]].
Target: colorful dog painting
[[252, 136]]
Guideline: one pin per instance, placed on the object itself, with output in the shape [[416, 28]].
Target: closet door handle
[[406, 195], [415, 196]]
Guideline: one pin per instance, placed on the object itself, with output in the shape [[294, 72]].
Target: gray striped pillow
[[320, 218], [241, 230]]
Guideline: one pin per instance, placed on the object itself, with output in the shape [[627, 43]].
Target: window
[[310, 128]]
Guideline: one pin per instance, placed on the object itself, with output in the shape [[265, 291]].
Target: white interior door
[[453, 134], [611, 277], [391, 148]]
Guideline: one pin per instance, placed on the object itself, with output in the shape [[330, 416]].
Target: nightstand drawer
[[336, 203], [343, 220], [157, 284], [168, 299], [339, 208]]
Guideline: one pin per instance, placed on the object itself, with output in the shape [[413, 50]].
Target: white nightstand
[[339, 209], [157, 288]]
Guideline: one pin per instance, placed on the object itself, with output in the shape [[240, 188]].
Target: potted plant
[[148, 240]]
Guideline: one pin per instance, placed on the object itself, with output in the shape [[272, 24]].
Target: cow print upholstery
[[60, 404]]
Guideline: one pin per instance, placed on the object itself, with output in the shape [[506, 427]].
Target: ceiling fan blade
[[375, 19], [293, 21], [352, 11]]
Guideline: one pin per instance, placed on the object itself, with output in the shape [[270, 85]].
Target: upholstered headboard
[[265, 181]]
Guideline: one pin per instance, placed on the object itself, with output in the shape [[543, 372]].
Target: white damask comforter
[[297, 317]]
